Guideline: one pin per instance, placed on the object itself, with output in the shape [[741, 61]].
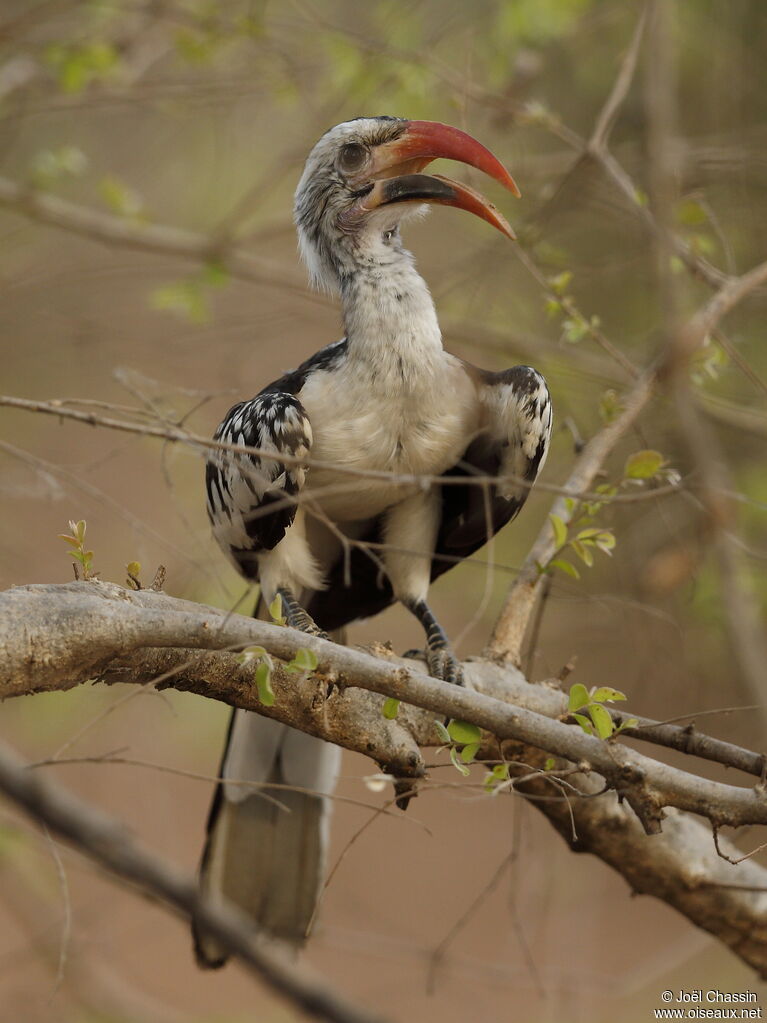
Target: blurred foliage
[[197, 114]]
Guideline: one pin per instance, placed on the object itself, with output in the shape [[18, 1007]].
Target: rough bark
[[53, 637]]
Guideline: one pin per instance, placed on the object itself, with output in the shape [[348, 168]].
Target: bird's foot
[[444, 665], [297, 618], [414, 654]]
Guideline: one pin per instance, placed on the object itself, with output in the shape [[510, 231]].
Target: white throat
[[390, 320]]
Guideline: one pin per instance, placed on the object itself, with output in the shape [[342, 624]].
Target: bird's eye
[[352, 157]]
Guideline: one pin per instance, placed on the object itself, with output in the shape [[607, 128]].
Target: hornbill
[[388, 398]]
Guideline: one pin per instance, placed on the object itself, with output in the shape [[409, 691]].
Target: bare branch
[[621, 85], [107, 842], [158, 238], [508, 637]]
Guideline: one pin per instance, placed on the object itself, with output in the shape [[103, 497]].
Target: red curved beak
[[425, 141], [396, 168]]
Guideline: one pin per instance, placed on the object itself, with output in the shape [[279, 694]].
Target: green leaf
[[464, 770], [560, 530], [214, 274], [251, 652], [584, 723], [643, 465], [605, 541], [121, 198], [690, 213], [195, 47], [184, 297], [565, 567], [606, 694], [550, 764], [630, 723], [133, 568], [304, 660], [560, 282], [462, 732], [583, 552], [390, 708], [498, 775], [77, 66], [264, 683], [579, 696], [275, 611], [602, 720], [575, 329], [442, 731], [49, 165], [469, 752], [609, 405]]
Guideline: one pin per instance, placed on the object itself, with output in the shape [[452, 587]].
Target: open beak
[[397, 165]]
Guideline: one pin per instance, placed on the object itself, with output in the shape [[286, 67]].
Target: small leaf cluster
[[76, 65], [460, 734], [51, 165], [303, 661], [121, 198], [695, 223], [578, 532], [610, 405], [583, 542], [189, 297], [76, 540], [496, 778], [575, 326], [591, 702], [708, 361], [264, 666], [208, 32]]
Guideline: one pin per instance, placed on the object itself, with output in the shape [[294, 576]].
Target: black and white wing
[[252, 499], [511, 448]]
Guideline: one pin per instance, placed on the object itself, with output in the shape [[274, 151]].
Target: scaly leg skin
[[296, 617], [442, 662]]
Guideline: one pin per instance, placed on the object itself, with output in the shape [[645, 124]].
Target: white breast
[[359, 421]]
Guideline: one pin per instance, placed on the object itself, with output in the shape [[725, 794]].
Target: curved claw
[[444, 665]]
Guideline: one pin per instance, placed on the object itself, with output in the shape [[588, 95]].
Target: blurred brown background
[[197, 115]]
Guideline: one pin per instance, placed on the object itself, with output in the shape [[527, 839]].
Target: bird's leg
[[296, 617], [442, 662], [410, 526]]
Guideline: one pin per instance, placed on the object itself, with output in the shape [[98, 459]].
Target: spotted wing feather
[[251, 497], [512, 449]]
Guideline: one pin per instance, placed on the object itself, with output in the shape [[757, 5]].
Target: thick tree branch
[[55, 637], [682, 868]]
